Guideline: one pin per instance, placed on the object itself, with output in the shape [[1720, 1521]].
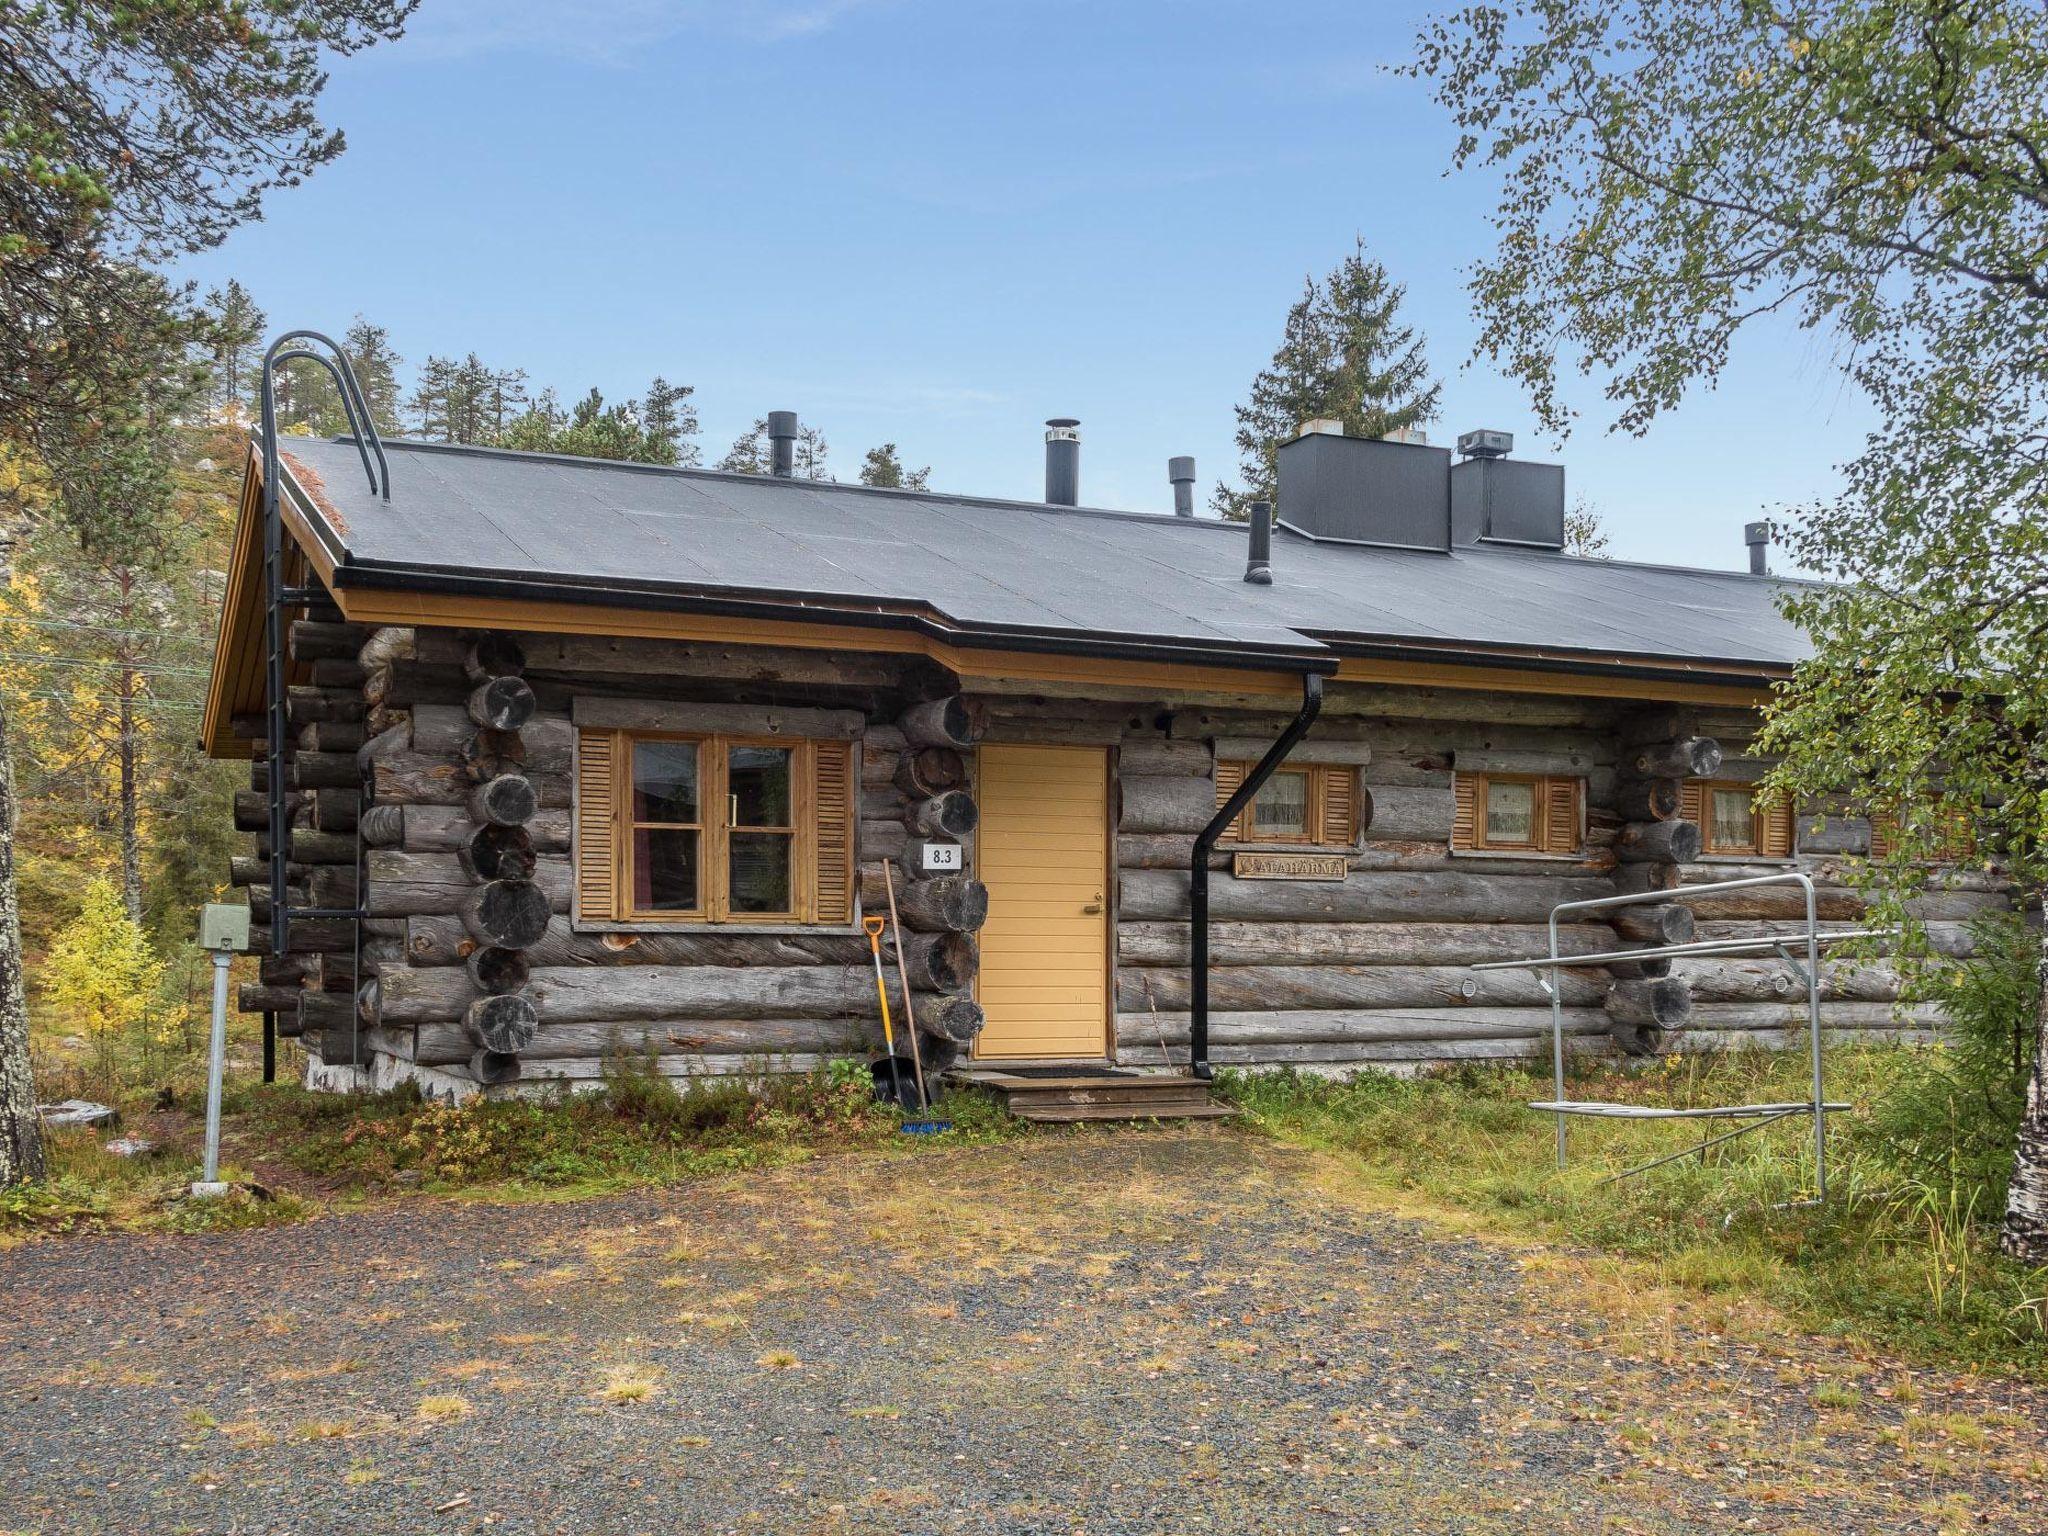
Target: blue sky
[[939, 224]]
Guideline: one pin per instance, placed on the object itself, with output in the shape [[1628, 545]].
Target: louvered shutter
[[1692, 803], [832, 797], [1340, 806], [1465, 814], [1229, 778], [597, 851], [1777, 829], [1561, 815], [1880, 836]]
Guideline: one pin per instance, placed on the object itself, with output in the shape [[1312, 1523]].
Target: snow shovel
[[926, 1126], [895, 1077]]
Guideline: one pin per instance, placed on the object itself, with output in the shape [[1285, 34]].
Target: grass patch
[[1889, 1257]]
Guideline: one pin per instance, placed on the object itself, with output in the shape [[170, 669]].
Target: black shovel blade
[[895, 1081]]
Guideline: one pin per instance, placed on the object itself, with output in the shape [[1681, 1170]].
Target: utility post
[[223, 930]]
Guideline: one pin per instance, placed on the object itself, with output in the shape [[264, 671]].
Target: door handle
[[1094, 906]]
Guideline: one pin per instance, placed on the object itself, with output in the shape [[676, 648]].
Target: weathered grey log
[[1658, 842], [493, 971], [887, 839], [1647, 799], [734, 719], [322, 1011], [501, 704], [493, 655], [253, 998], [955, 721], [1655, 923], [951, 815], [1164, 803], [671, 660], [508, 913], [487, 755], [1634, 879], [947, 903], [440, 939], [411, 778], [332, 886], [1687, 757], [1363, 898], [883, 802], [1317, 749], [494, 1069], [1639, 970], [331, 736], [958, 1019], [383, 826], [251, 810], [406, 683], [1762, 981], [499, 853], [246, 869], [1295, 987], [505, 1023], [343, 673], [1162, 757], [314, 641], [407, 883], [1637, 1039], [384, 646], [260, 902], [448, 829], [509, 800], [324, 770], [1660, 1004], [1424, 1026], [1412, 813], [444, 730], [1358, 943], [309, 936], [925, 772], [598, 1041], [335, 810], [572, 994], [284, 970], [305, 846], [940, 962], [306, 705]]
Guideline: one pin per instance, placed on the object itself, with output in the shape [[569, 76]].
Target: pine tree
[[884, 468], [232, 336], [668, 416], [1344, 355], [590, 430], [750, 453], [376, 364]]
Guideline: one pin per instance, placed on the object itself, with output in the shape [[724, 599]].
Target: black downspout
[[1198, 869]]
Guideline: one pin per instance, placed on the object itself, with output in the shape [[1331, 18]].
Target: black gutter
[[1198, 869]]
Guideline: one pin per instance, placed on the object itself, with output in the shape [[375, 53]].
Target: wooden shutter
[[1692, 803], [832, 798], [1881, 836], [597, 850], [1229, 778], [1465, 789], [1560, 815], [1777, 828], [1340, 806]]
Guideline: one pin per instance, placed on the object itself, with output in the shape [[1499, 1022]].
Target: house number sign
[[938, 857], [1288, 866]]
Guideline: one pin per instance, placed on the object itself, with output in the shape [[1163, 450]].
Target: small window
[[1313, 804], [1736, 823], [712, 829], [1519, 813], [1955, 841]]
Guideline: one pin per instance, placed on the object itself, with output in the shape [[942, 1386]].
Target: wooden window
[[1310, 804], [1955, 842], [712, 829], [1518, 813], [1736, 822]]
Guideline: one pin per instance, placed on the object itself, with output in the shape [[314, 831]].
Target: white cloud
[[607, 31]]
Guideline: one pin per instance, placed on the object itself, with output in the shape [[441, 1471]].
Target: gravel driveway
[[1167, 1331]]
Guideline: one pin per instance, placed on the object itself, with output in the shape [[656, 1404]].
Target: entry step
[[1060, 1093]]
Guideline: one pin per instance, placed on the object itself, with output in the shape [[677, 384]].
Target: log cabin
[[580, 757]]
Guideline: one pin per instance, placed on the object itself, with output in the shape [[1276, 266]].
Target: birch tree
[[1673, 176]]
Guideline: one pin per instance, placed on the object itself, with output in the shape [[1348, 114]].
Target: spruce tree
[[1344, 355], [884, 468], [749, 454], [668, 416], [232, 341], [376, 364]]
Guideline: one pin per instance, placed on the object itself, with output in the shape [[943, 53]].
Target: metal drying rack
[[1756, 1116]]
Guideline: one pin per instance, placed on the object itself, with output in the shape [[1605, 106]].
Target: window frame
[[715, 828], [1542, 787], [1320, 807], [1755, 850]]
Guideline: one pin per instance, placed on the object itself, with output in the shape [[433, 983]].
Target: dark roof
[[564, 528]]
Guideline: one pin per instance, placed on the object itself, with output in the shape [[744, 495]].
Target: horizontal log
[[1415, 944], [337, 673], [600, 1041], [1482, 898], [311, 640], [448, 829], [306, 706], [499, 853], [938, 962], [673, 660], [1648, 799], [252, 998], [493, 654], [572, 994], [1655, 923], [1636, 879], [1658, 842], [443, 730], [1170, 850], [1162, 757], [955, 721], [486, 755], [1285, 988], [1660, 1004], [957, 1020], [505, 1023], [331, 736], [731, 719], [413, 778], [951, 815], [1412, 813], [925, 772], [508, 800], [1341, 1025], [1763, 981], [442, 940], [508, 913], [246, 869], [403, 883], [336, 810], [494, 1069], [888, 839], [1352, 754], [324, 770], [494, 971], [501, 703], [944, 903], [405, 683], [1686, 757], [309, 936], [1164, 803], [332, 886], [384, 645]]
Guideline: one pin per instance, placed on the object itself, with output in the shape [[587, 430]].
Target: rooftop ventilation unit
[[1485, 443]]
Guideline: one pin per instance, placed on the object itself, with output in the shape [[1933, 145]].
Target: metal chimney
[[1758, 537], [1258, 566], [1180, 469], [1063, 461], [782, 444]]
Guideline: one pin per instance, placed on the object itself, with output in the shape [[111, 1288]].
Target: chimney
[[1180, 469], [1063, 462], [1258, 566], [782, 444], [1758, 537]]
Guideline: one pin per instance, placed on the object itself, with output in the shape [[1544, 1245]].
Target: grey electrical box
[[223, 927]]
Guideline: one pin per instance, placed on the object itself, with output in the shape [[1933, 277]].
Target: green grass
[[1890, 1258]]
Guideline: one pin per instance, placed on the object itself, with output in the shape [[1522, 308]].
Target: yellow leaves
[[101, 972]]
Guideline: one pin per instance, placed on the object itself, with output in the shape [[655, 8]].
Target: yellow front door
[[1043, 851]]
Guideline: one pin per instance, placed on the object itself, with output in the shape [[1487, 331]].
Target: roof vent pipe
[[1063, 462], [1258, 566], [1758, 537], [782, 444], [1180, 469]]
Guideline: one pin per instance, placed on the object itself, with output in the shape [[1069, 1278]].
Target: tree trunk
[[2024, 1235], [131, 821], [21, 1133]]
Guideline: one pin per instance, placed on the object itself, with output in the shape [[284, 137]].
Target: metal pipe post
[[216, 1062]]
